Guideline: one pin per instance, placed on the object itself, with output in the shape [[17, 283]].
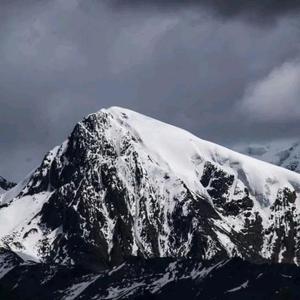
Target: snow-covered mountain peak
[[183, 153], [125, 184]]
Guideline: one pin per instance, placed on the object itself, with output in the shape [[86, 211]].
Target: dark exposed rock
[[157, 278], [5, 184]]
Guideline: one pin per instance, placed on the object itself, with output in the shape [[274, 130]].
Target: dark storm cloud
[[63, 59], [252, 10]]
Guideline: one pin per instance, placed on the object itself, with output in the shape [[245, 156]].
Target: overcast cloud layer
[[229, 74]]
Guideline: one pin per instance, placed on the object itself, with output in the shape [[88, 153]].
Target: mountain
[[125, 185], [5, 185], [155, 278], [285, 154]]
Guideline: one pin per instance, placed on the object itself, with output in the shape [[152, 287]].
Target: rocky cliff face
[[126, 185]]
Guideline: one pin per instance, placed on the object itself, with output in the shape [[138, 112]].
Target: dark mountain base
[[157, 279]]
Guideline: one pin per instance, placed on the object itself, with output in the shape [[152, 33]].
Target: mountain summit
[[124, 184]]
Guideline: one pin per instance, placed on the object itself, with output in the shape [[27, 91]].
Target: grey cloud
[[262, 11], [275, 97]]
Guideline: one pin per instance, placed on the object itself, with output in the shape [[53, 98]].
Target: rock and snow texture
[[285, 153], [124, 184], [5, 185], [156, 278]]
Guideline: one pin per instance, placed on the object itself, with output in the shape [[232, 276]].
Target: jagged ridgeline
[[124, 185]]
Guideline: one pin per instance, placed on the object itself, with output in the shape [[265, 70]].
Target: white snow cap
[[181, 150]]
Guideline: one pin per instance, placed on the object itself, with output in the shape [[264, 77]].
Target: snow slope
[[178, 150], [125, 184], [284, 153]]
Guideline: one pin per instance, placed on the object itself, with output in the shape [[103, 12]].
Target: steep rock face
[[282, 242], [127, 185]]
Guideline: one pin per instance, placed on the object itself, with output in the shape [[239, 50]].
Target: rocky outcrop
[[5, 185]]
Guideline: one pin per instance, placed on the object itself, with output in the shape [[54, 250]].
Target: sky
[[227, 72]]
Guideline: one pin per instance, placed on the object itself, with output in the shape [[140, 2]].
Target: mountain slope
[[126, 185], [285, 154], [156, 278]]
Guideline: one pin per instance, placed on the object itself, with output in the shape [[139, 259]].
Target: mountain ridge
[[156, 278]]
